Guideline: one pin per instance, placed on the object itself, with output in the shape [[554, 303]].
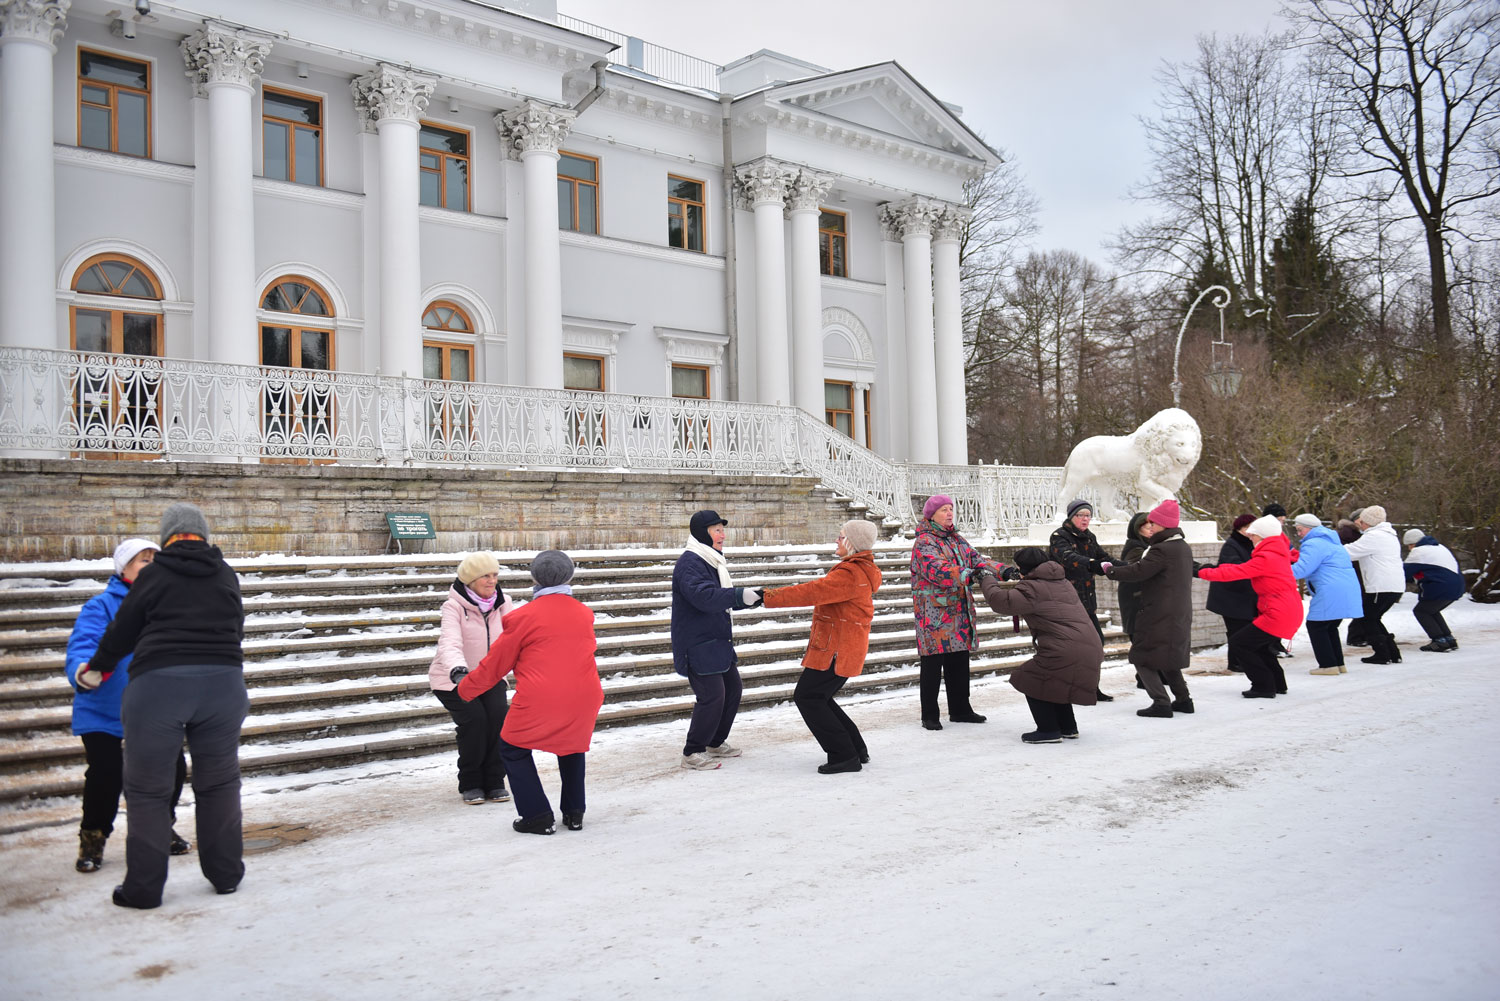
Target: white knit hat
[[860, 535], [1413, 536], [1266, 526], [1372, 515], [1308, 520], [477, 565], [129, 550]]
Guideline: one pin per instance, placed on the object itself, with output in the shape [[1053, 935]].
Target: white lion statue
[[1133, 472]]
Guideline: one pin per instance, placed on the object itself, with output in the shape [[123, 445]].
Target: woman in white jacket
[[471, 623], [1378, 553]]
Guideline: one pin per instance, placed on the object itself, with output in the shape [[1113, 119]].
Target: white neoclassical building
[[483, 192]]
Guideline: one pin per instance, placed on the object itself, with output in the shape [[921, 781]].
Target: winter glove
[[1105, 566], [1011, 573], [457, 674], [86, 679], [1097, 566], [751, 595]]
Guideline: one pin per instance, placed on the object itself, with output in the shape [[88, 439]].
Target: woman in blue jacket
[[1336, 594], [703, 640], [96, 712]]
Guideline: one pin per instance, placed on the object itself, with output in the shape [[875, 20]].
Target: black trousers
[[834, 731], [1324, 636], [718, 702], [105, 780], [1232, 626], [1379, 637], [951, 669], [1257, 650], [526, 785], [476, 728], [1052, 717], [1430, 617]]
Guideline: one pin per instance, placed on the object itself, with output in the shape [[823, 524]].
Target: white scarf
[[713, 558]]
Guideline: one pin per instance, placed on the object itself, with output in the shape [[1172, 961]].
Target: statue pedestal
[[1112, 533]]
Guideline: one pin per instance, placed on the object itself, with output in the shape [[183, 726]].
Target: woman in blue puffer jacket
[[96, 711], [1336, 594]]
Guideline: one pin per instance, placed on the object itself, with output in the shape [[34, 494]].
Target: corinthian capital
[[949, 224], [533, 127], [764, 181], [389, 92], [217, 54], [808, 191], [913, 217], [33, 20]]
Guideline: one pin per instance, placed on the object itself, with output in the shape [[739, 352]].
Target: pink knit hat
[[933, 503], [1166, 514]]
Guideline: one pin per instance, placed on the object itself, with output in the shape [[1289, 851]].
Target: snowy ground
[[1339, 843]]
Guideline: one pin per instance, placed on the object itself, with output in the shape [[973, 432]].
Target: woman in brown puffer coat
[[1065, 671]]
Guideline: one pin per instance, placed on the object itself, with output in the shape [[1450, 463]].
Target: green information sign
[[409, 525]]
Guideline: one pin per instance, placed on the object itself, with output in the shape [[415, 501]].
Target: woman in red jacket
[[1279, 606], [549, 644], [843, 605]]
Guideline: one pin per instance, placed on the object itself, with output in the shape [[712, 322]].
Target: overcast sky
[[1059, 84]]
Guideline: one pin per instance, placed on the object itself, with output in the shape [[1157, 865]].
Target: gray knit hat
[[551, 568], [1077, 504], [859, 534], [182, 518], [1413, 536]]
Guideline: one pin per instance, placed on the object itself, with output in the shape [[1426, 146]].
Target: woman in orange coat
[[843, 605], [549, 644]]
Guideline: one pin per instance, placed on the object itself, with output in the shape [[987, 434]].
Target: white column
[[29, 30], [860, 388], [803, 204], [392, 100], [764, 184], [224, 64], [948, 329], [914, 217], [534, 133], [893, 386]]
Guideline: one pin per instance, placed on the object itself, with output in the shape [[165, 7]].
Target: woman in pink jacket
[[471, 622], [1269, 571]]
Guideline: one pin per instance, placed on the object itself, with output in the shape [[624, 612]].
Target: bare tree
[[1002, 221], [1420, 82]]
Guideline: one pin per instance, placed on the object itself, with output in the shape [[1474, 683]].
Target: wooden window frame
[[603, 371], [579, 427], [296, 323], [828, 413], [684, 203], [708, 376], [114, 111], [869, 427], [696, 434], [595, 184], [442, 156], [831, 235], [291, 166], [447, 347], [117, 305]]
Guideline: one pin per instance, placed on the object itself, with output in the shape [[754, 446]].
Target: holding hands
[[86, 679]]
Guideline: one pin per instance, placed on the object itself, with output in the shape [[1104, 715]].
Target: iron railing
[[653, 60], [65, 403]]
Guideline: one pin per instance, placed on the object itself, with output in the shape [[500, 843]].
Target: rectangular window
[[833, 243], [445, 168], [292, 137], [578, 193], [838, 405], [690, 382], [451, 362], [869, 438], [684, 213], [114, 104], [585, 420], [450, 413]]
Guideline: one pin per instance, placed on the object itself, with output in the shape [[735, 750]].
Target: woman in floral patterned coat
[[942, 566]]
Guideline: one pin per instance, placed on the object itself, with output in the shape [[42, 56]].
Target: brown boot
[[90, 851]]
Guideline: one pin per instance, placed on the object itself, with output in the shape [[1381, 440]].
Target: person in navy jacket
[[96, 712], [703, 640], [1439, 584], [1336, 594]]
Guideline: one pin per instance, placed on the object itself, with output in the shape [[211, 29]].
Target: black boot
[[1099, 695], [539, 824], [931, 724], [1157, 710], [179, 845], [90, 850], [834, 767], [1182, 706], [573, 821], [969, 717]]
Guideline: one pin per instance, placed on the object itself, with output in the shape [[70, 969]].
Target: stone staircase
[[336, 651]]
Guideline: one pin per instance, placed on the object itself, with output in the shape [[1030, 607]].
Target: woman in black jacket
[[1078, 551], [184, 620], [1234, 601], [1130, 593]]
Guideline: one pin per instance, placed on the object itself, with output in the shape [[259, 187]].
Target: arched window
[[117, 402], [443, 358], [296, 332]]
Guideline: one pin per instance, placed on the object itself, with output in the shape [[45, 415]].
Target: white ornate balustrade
[[104, 405]]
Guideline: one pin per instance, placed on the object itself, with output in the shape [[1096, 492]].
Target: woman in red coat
[[843, 605], [549, 644], [1279, 606]]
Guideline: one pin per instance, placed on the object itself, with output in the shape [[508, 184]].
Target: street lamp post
[[1223, 379]]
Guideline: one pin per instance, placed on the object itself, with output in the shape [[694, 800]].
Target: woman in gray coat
[[1065, 671], [1161, 646]]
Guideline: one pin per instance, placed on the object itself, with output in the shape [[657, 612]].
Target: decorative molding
[[340, 303], [669, 108], [601, 337], [629, 248], [693, 347], [914, 216], [220, 54], [391, 93], [472, 302], [764, 181], [332, 197], [171, 289], [41, 21], [949, 224], [156, 170], [808, 191], [810, 125], [837, 319], [463, 220], [856, 285], [534, 127], [890, 226]]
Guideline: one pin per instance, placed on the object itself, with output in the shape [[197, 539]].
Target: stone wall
[[62, 509]]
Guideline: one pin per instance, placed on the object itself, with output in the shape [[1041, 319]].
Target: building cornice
[[804, 123], [159, 170]]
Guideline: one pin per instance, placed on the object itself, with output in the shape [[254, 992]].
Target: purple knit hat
[[933, 503]]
